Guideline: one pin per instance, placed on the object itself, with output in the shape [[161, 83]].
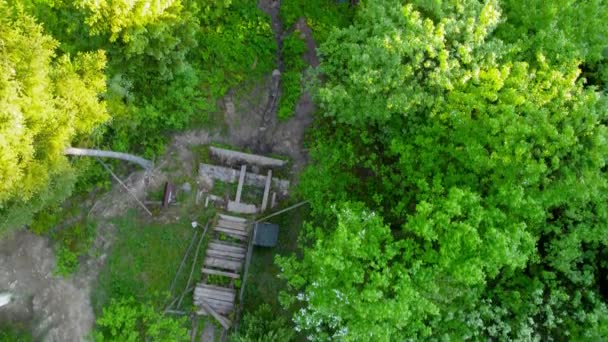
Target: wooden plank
[[224, 310], [233, 225], [231, 230], [223, 263], [239, 189], [232, 233], [215, 303], [266, 191], [222, 273], [224, 254], [205, 292], [234, 230], [222, 320], [233, 218], [226, 246], [224, 293]]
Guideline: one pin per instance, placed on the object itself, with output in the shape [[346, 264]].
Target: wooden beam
[[218, 292], [223, 263], [222, 273], [125, 186], [231, 230], [221, 319], [224, 254], [222, 245], [233, 218], [233, 225], [232, 233], [266, 191], [73, 151]]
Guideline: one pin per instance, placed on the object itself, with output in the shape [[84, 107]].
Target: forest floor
[[60, 309]]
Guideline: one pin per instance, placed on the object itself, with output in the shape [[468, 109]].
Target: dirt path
[[60, 309]]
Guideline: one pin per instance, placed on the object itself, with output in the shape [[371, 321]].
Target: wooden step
[[219, 307], [233, 218], [216, 292], [232, 225], [223, 263], [227, 246], [232, 233], [213, 299], [221, 273], [223, 254]]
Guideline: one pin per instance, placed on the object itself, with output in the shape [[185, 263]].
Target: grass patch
[[70, 230], [15, 332], [263, 284], [144, 260], [291, 79], [321, 15]]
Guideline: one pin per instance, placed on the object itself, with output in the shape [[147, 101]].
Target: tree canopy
[[45, 102], [476, 161]]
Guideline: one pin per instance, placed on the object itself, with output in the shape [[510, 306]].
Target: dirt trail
[[60, 309]]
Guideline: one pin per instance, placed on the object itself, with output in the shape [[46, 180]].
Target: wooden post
[[239, 189], [266, 191]]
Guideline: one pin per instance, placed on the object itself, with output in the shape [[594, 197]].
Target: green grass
[[263, 284], [321, 15], [291, 80], [144, 260], [14, 332]]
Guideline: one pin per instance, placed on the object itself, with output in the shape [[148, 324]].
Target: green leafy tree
[[262, 325], [484, 167], [126, 319], [45, 103]]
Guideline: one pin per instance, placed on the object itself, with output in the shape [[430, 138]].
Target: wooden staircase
[[224, 260]]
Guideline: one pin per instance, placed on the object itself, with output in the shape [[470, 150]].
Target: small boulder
[[186, 187]]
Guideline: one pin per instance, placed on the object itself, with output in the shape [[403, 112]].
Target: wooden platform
[[225, 258]]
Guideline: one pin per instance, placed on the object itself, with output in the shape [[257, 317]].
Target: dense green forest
[[458, 178]]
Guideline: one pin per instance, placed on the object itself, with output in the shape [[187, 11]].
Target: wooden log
[[73, 151], [231, 224], [223, 263], [224, 254], [222, 273], [233, 218], [231, 155], [226, 246]]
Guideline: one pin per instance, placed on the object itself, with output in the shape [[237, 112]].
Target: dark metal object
[[266, 234]]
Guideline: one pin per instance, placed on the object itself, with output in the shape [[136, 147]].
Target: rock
[[186, 187], [5, 298], [230, 108], [205, 181]]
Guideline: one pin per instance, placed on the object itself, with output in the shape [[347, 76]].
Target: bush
[[67, 261], [126, 319], [263, 325], [291, 80]]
